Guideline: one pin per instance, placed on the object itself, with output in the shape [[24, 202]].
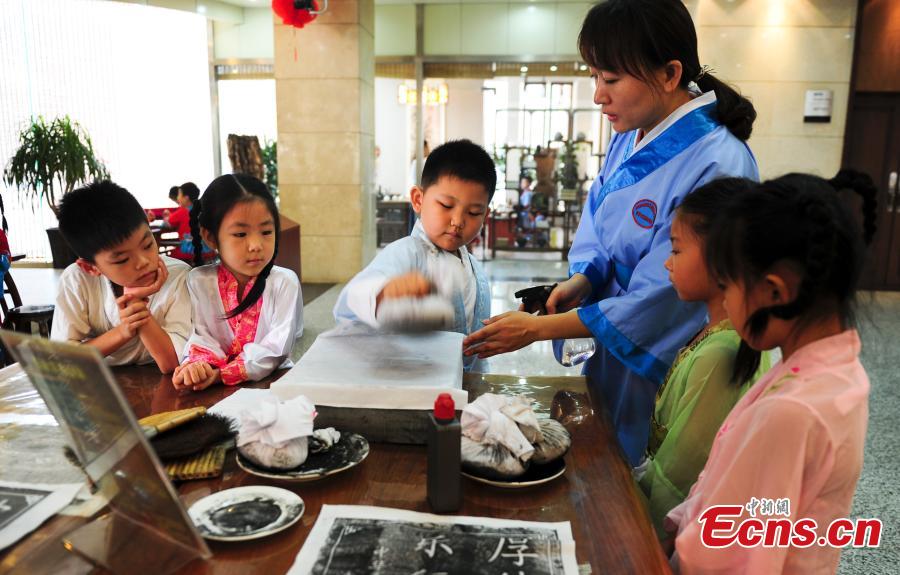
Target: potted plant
[[51, 159], [270, 161], [567, 173]]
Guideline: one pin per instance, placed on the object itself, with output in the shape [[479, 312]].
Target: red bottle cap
[[444, 408]]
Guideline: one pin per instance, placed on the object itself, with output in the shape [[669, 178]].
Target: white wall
[[481, 28], [212, 9], [774, 51], [392, 129], [464, 110], [395, 30], [450, 29], [251, 38], [246, 108]]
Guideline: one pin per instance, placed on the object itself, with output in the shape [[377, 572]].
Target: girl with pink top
[[788, 254], [247, 311]]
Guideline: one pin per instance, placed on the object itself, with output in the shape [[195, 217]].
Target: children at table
[[710, 373], [120, 296], [247, 311], [789, 255], [458, 182]]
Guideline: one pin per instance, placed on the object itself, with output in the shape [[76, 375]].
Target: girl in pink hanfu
[[247, 311], [789, 255]]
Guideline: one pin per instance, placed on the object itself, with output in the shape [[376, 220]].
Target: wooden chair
[[18, 317]]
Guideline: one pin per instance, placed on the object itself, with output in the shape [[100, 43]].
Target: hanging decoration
[[297, 13]]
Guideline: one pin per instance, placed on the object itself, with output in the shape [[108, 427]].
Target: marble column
[[324, 80]]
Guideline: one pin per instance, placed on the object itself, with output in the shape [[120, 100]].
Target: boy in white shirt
[[120, 296], [458, 181]]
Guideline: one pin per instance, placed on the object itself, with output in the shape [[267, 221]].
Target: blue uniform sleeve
[[645, 326], [587, 255], [630, 325]]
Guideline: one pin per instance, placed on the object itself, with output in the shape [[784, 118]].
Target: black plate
[[534, 475], [244, 513], [350, 451]]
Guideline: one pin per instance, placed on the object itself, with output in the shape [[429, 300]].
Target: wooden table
[[597, 495], [500, 226], [289, 246]]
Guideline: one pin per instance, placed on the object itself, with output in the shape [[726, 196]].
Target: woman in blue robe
[[676, 128]]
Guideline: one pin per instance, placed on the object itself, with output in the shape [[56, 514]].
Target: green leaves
[[567, 173], [52, 158], [270, 161]]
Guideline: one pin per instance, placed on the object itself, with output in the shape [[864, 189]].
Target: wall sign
[[817, 108]]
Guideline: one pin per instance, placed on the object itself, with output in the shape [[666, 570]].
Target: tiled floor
[[878, 494]]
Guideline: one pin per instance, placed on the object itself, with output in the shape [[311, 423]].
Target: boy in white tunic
[[120, 296], [458, 181]]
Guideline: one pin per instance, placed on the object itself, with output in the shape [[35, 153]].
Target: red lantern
[[296, 17]]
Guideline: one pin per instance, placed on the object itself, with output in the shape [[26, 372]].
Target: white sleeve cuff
[[361, 296]]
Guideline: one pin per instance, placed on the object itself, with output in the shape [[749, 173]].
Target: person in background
[[526, 219], [526, 191], [5, 254], [180, 220], [173, 195], [4, 241]]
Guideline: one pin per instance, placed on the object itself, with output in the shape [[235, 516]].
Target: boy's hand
[[133, 314], [569, 294], [162, 274], [197, 376], [412, 284]]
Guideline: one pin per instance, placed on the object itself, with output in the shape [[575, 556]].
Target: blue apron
[[621, 244]]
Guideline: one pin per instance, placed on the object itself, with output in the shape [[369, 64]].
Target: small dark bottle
[[444, 480]]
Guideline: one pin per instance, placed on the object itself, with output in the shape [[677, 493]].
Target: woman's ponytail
[[734, 111]]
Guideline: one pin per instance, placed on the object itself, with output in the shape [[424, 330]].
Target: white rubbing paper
[[376, 370], [378, 541], [25, 506]]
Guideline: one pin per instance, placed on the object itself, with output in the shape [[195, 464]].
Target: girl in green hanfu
[[709, 375]]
